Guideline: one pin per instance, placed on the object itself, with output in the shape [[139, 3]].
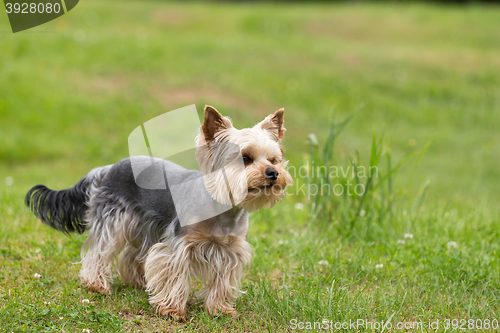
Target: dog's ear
[[213, 123], [274, 124]]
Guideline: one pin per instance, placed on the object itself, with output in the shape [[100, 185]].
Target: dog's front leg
[[167, 277], [221, 292], [224, 273]]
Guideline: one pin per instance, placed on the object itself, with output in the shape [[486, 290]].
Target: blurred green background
[[73, 89]]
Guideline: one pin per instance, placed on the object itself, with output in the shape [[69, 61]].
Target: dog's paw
[[176, 314], [139, 284], [230, 311], [97, 287]]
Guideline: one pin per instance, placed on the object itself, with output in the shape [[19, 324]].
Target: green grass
[[72, 90]]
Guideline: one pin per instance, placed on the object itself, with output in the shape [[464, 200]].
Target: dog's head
[[246, 167]]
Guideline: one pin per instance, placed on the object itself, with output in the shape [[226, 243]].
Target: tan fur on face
[[262, 142], [259, 197]]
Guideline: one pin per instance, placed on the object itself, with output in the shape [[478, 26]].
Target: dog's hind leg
[[97, 263], [105, 242], [130, 268]]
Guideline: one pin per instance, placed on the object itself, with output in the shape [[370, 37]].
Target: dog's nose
[[271, 173]]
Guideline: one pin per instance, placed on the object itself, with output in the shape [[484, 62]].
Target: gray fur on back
[[151, 215], [155, 207]]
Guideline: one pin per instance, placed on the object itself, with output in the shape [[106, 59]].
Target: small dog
[[140, 229]]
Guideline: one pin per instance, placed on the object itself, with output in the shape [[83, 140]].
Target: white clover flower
[[85, 330], [379, 266], [401, 241], [452, 245], [61, 318], [85, 301], [324, 262], [410, 236], [37, 276], [46, 303], [299, 206]]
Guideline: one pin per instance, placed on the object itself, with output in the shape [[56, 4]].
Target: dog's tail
[[64, 210]]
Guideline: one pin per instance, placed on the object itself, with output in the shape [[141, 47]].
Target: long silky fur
[[151, 249]]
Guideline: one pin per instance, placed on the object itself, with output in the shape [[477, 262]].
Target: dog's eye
[[247, 160], [272, 160]]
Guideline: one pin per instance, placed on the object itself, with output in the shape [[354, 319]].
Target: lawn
[[423, 246]]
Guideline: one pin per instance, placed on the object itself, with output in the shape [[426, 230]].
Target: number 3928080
[[32, 8]]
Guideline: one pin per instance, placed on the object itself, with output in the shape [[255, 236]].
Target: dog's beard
[[260, 198], [262, 192]]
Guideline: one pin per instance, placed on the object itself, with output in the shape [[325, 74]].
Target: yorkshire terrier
[[140, 229]]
